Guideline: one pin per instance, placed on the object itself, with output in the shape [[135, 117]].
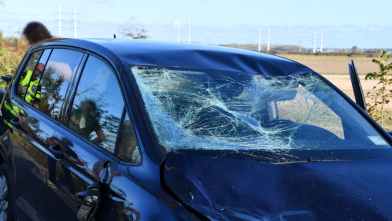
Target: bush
[[378, 97], [11, 53]]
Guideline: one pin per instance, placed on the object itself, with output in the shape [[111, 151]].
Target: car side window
[[128, 149], [33, 90], [55, 81], [98, 105], [28, 71]]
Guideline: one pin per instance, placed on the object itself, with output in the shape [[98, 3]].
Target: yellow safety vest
[[33, 90], [24, 82], [13, 110]]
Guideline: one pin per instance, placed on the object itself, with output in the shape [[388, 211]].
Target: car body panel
[[81, 166], [136, 52], [228, 189], [30, 146]]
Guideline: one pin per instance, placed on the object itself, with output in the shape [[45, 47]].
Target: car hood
[[224, 189]]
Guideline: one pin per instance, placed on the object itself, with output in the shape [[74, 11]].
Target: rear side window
[[56, 79], [98, 105], [33, 91], [27, 73]]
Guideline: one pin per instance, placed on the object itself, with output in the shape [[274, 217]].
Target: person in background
[[32, 93], [36, 32], [30, 81]]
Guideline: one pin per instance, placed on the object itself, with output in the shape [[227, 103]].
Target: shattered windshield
[[219, 110]]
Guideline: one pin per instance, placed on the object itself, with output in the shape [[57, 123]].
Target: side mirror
[[7, 79], [92, 197], [90, 201]]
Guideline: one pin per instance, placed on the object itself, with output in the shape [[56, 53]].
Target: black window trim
[[21, 69], [70, 94], [71, 98], [118, 138], [71, 91], [15, 85], [35, 66], [119, 73], [124, 162], [50, 53]]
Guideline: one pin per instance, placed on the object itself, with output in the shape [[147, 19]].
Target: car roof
[[187, 55]]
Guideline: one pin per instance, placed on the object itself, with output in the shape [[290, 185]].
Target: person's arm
[[101, 137]]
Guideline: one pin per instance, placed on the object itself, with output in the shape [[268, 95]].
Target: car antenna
[[114, 35]]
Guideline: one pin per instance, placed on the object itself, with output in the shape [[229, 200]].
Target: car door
[[87, 140], [39, 93], [28, 142]]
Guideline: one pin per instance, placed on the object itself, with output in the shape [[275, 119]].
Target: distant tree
[[132, 30], [379, 97], [354, 49]]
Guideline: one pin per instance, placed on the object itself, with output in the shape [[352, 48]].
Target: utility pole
[[300, 45], [269, 31], [178, 30], [74, 21], [60, 21], [189, 31], [260, 38], [321, 46], [314, 45]]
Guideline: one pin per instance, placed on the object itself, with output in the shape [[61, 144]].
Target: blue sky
[[344, 23]]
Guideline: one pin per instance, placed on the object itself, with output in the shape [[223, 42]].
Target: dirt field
[[343, 82], [339, 66], [336, 71]]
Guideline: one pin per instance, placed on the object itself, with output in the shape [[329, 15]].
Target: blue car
[[113, 129]]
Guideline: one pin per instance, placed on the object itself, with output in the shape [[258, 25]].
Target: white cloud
[[61, 69]]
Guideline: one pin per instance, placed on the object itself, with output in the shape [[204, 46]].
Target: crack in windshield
[[218, 110]]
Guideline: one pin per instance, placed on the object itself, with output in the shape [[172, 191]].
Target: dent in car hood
[[224, 189]]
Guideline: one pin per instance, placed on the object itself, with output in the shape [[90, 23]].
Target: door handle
[[15, 122], [56, 151]]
